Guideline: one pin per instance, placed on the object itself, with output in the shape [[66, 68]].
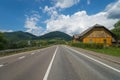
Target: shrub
[[88, 45]]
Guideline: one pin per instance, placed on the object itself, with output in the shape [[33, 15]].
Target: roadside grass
[[114, 51]]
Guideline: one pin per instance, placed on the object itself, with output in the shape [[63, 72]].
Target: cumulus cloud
[[80, 21], [58, 5], [75, 23], [113, 10], [51, 11], [31, 24], [65, 3]]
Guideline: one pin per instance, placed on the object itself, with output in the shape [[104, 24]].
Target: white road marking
[[32, 53], [117, 70], [21, 57], [22, 53], [50, 65], [1, 65]]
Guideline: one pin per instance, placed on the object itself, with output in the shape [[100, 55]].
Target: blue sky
[[70, 16]]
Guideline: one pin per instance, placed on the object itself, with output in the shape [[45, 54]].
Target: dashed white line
[[117, 70], [50, 65], [32, 53], [21, 57], [1, 65]]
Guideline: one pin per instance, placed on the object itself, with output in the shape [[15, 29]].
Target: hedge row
[[88, 45]]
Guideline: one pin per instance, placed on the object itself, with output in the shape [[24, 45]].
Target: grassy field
[[114, 51]]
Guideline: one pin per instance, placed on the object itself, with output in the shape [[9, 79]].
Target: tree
[[117, 25], [116, 30], [3, 41]]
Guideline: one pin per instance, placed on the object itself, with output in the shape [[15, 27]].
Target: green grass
[[114, 51]]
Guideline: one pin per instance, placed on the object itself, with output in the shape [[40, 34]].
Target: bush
[[88, 45]]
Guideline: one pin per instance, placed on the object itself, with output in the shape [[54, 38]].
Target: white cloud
[[51, 11], [58, 5], [6, 30], [80, 21], [113, 10], [31, 24], [65, 3]]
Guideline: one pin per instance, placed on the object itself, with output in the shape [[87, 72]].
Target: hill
[[55, 35], [19, 39], [18, 35]]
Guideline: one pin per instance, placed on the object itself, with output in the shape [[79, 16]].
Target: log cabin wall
[[98, 35]]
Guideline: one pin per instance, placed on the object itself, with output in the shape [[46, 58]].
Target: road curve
[[57, 63]]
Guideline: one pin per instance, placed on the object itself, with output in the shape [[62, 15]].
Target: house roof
[[89, 29]]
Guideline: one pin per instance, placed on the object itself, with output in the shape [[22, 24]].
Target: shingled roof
[[89, 29]]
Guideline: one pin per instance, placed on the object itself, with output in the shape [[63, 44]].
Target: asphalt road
[[57, 63]]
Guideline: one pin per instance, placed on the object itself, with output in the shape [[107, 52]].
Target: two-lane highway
[[57, 63], [27, 66]]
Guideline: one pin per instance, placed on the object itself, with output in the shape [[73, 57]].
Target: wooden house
[[95, 34]]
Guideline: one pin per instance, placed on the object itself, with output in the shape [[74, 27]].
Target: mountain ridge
[[55, 35], [20, 35]]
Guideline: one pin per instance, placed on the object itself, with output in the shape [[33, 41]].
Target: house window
[[104, 41]]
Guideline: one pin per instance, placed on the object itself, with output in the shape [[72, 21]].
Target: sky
[[70, 16]]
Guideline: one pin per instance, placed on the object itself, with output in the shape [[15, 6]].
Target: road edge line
[[22, 57], [50, 65], [27, 52], [1, 65], [117, 70]]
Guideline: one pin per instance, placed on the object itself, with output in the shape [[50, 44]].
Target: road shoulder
[[113, 59]]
